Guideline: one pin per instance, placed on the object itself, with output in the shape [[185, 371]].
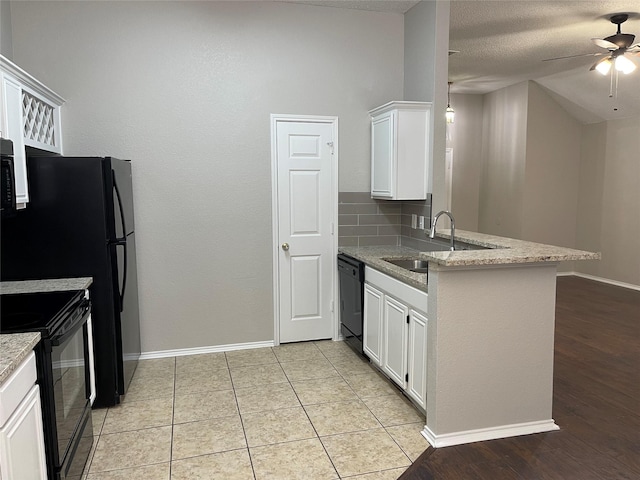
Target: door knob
[[285, 246]]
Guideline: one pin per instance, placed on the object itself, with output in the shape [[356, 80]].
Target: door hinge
[[406, 377], [331, 305], [330, 146], [407, 319]]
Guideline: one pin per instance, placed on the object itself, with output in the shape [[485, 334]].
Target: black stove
[[63, 365], [37, 312]]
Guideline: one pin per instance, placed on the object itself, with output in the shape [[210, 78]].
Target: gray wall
[[547, 178], [185, 90], [6, 40], [609, 206], [426, 63], [465, 138], [504, 141], [551, 180]]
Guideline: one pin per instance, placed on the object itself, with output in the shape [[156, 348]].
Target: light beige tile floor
[[312, 411]]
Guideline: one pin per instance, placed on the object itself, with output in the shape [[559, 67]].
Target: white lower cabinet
[[22, 453], [372, 331], [394, 335], [417, 358], [395, 332]]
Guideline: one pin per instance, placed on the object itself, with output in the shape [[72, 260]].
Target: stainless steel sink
[[418, 266], [440, 244]]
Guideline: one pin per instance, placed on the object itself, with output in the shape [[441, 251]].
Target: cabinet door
[[372, 338], [22, 441], [382, 155], [394, 353], [12, 124], [417, 368]]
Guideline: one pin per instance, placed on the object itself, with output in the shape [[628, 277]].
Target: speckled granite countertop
[[502, 251], [53, 285], [372, 256], [14, 348]]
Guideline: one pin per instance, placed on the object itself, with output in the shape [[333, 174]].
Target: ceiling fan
[[620, 47]]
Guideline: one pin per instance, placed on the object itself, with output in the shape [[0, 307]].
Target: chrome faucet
[[432, 233]]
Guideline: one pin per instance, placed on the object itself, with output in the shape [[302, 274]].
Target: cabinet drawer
[[406, 293], [17, 387]]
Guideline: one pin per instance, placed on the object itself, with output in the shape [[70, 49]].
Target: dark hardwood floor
[[596, 400]]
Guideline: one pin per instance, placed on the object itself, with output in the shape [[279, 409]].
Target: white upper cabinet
[[400, 150], [29, 116]]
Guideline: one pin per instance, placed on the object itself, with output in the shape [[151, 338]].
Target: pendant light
[[449, 114]]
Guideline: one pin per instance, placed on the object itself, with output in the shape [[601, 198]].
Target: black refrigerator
[[79, 223]]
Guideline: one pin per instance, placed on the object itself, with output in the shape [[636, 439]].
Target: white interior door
[[305, 243]]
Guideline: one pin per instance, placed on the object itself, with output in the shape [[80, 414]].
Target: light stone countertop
[[14, 348], [52, 285], [372, 256], [502, 251]]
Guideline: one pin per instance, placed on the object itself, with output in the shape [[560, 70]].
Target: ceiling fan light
[[604, 66], [624, 65]]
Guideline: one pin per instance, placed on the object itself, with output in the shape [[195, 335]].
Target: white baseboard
[[199, 350], [600, 279], [482, 434]]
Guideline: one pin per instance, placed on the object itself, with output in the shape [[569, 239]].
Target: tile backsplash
[[363, 221]]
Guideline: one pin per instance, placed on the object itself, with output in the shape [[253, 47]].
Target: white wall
[[185, 90]]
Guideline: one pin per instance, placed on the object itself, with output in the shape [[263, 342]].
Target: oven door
[[70, 374]]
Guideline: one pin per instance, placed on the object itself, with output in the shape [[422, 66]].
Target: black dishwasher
[[351, 273]]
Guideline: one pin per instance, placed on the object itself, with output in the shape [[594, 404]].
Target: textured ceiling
[[503, 42]]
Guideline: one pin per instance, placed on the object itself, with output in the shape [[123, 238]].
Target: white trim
[[180, 352], [275, 118], [600, 279], [25, 78], [492, 433]]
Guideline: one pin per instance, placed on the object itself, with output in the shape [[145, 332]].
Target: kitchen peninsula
[[489, 335]]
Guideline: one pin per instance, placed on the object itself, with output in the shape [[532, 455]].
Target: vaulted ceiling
[[503, 42]]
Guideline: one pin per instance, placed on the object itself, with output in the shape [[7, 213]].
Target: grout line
[[173, 413], [244, 432], [309, 418]]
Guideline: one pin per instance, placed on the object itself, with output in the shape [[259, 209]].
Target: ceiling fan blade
[[574, 56], [604, 43]]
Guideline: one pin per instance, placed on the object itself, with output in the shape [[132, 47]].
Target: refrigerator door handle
[[121, 241], [120, 207]]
